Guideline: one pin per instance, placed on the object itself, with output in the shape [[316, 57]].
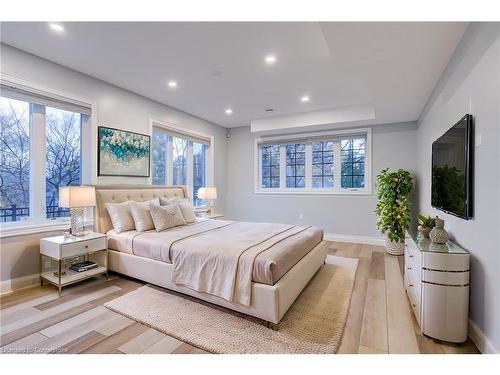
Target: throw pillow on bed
[[142, 215], [120, 215], [165, 217], [185, 205]]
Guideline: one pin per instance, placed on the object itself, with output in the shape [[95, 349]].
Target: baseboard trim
[[367, 240], [19, 283], [479, 338]]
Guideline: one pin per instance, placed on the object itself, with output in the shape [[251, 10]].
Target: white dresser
[[437, 283]]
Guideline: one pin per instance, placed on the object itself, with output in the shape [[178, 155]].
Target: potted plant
[[425, 224], [393, 207]]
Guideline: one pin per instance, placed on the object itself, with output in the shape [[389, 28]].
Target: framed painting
[[122, 153]]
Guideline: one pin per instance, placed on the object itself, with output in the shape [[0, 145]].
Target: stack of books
[[83, 266]]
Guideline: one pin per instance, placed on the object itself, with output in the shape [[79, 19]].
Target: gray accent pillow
[[185, 205], [142, 215], [165, 217], [120, 215]]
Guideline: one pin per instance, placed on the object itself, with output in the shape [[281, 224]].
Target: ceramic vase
[[424, 231], [438, 234]]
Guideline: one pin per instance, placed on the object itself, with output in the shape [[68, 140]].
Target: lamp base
[[77, 228], [210, 206]]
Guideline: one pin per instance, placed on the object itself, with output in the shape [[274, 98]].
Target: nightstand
[[63, 251], [212, 215]]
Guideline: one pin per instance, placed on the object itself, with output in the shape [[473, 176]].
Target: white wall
[[115, 107], [471, 84], [393, 146]]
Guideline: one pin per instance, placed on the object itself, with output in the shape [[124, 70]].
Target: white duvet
[[216, 256], [220, 261]]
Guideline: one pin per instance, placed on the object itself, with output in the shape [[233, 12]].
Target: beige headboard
[[122, 193]]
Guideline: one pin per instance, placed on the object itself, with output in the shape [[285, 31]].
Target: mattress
[[269, 266]]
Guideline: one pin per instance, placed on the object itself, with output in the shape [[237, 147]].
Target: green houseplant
[[393, 207], [425, 224]]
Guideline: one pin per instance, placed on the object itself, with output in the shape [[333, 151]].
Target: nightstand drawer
[[415, 303], [414, 285], [77, 248], [59, 247], [446, 262], [446, 278]]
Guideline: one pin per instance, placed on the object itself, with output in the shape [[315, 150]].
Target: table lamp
[[77, 198], [209, 194]]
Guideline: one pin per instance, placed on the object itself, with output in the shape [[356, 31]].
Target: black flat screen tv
[[452, 170]]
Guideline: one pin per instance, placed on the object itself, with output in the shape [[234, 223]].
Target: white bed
[[270, 299]]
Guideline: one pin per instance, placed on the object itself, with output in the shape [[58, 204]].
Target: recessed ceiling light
[[56, 27], [305, 99], [270, 59], [229, 111], [172, 84]]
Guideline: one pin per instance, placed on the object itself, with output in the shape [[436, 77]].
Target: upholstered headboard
[[122, 193]]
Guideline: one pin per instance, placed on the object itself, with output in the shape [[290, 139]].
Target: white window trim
[[308, 190], [210, 151], [89, 161]]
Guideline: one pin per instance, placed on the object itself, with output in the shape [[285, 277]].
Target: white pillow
[[185, 205], [142, 215], [120, 215], [165, 217]]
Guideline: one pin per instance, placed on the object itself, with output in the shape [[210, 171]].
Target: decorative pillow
[[185, 205], [142, 215], [165, 217], [120, 215]]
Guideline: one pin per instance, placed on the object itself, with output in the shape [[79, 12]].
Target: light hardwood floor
[[37, 320]]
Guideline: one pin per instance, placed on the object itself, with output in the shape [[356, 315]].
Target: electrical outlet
[[301, 216], [479, 140]]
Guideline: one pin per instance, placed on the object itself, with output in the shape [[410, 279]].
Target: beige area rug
[[313, 324]]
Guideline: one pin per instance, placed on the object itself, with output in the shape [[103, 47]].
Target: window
[[296, 165], [270, 166], [159, 172], [199, 170], [322, 164], [14, 160], [353, 162], [41, 151], [63, 161], [327, 162], [180, 159], [180, 147]]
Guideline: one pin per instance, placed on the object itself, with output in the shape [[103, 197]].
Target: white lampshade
[[201, 193], [210, 193], [77, 196], [207, 193]]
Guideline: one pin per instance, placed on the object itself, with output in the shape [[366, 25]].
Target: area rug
[[313, 324]]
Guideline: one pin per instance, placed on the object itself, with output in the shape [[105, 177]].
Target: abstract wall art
[[122, 153]]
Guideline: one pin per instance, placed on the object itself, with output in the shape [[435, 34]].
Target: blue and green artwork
[[123, 153]]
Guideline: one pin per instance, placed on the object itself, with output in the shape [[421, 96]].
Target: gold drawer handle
[[414, 305], [86, 246], [408, 268], [411, 256], [411, 284]]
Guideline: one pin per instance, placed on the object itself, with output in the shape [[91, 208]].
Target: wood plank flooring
[[37, 320]]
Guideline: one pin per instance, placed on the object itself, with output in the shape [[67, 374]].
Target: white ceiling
[[390, 66]]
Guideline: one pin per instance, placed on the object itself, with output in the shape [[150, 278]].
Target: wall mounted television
[[452, 170]]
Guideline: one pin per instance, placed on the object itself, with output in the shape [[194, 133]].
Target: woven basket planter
[[394, 248]]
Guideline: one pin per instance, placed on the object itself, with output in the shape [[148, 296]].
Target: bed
[[280, 259]]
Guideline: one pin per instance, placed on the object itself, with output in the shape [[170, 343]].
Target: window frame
[[191, 135], [334, 136], [38, 221]]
